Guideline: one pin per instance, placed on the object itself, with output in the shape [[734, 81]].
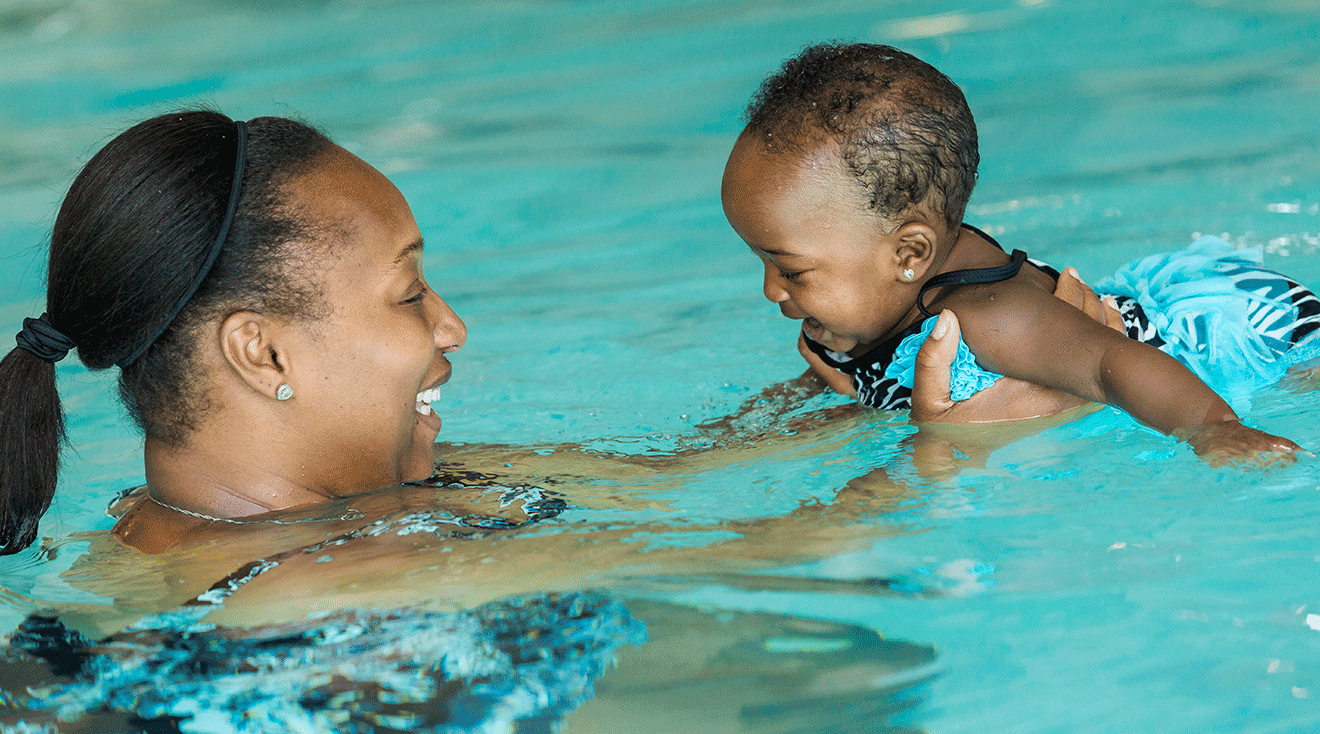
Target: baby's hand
[[1223, 443]]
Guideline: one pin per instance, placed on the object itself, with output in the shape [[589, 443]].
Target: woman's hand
[[1008, 399], [942, 447], [1071, 289]]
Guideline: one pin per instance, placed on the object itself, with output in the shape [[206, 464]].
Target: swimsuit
[[1234, 323]]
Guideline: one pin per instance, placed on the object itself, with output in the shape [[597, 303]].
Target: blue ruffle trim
[[1219, 311], [966, 379]]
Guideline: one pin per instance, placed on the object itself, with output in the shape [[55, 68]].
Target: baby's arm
[[1024, 333]]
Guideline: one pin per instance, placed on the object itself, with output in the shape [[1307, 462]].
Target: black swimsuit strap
[[971, 276]]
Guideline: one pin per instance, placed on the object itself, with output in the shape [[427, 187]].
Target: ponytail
[[31, 433]]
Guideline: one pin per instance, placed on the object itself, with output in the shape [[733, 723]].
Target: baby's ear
[[915, 246]]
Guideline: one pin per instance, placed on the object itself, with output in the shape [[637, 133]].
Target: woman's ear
[[252, 346], [915, 246]]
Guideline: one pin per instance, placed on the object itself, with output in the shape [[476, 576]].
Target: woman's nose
[[450, 331], [770, 286]]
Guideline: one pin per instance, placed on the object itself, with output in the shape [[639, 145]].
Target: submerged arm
[[758, 421]]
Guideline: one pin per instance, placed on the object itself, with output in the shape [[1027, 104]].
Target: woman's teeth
[[425, 398]]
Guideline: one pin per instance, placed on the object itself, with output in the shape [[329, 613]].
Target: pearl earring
[[909, 274], [283, 392]]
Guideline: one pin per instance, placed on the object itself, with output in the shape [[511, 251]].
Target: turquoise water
[[563, 160]]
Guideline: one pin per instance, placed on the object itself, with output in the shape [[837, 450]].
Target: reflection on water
[[522, 664], [754, 672]]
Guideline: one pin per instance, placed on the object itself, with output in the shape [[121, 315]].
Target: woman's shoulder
[[451, 502], [148, 527]]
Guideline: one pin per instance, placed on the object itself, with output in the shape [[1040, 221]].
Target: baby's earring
[[283, 392], [909, 274]]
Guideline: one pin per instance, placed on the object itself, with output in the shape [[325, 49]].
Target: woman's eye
[[417, 298]]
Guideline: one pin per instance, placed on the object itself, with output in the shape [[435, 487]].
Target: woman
[[184, 254]]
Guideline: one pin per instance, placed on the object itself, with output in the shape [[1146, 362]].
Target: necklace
[[350, 515]]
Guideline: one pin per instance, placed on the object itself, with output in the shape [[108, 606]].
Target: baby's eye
[[793, 276]]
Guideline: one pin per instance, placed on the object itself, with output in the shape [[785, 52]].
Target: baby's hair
[[903, 129]]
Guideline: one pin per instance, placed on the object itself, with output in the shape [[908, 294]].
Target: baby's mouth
[[813, 329], [816, 331]]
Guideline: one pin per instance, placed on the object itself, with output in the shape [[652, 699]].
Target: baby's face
[[827, 260]]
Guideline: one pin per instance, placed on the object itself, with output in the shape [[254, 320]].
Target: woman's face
[[365, 374]]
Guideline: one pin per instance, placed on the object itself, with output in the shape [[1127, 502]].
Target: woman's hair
[[904, 130], [131, 239]]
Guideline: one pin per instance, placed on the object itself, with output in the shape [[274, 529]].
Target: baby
[[850, 182]]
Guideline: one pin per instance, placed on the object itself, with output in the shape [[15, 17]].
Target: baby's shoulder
[[1026, 293]]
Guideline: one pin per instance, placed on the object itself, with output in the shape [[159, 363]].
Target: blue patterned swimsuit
[[1236, 324]]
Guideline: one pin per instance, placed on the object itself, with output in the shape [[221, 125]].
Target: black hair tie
[[44, 340], [240, 157]]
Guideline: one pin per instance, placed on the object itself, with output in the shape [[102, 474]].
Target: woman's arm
[[758, 425]]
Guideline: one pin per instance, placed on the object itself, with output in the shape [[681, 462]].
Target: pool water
[[563, 160]]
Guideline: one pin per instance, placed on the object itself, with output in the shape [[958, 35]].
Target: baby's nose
[[774, 292]]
